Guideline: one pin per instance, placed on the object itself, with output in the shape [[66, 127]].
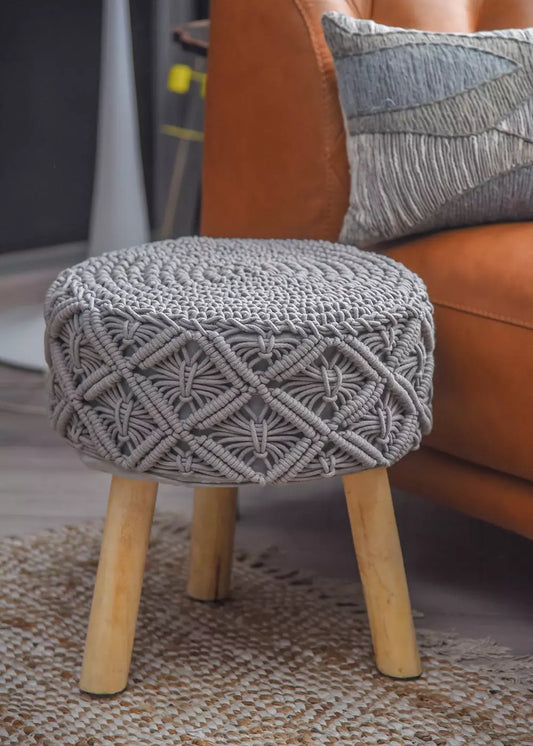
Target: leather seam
[[326, 149], [355, 7], [483, 314], [469, 463]]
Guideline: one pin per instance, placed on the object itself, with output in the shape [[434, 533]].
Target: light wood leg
[[379, 556], [118, 586], [211, 553]]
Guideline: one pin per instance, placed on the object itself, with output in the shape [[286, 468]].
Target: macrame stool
[[221, 362]]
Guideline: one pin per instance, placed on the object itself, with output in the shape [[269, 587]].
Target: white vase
[[119, 217]]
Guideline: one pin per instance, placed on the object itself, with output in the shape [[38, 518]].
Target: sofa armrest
[[275, 160]]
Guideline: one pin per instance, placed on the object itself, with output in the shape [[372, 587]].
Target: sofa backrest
[[446, 15], [275, 158]]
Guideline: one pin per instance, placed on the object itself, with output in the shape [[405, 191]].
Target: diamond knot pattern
[[225, 361]]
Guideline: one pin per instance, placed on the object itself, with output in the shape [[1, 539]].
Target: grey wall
[[49, 75], [49, 54]]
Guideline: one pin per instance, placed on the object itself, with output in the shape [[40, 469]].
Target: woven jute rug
[[286, 662]]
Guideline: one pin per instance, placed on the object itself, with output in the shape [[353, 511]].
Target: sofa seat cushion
[[480, 281]]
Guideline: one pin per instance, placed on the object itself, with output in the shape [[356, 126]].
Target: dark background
[[49, 76]]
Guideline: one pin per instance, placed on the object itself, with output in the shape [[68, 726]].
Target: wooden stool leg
[[211, 553], [118, 586], [379, 556]]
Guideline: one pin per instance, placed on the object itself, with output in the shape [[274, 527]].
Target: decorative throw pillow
[[439, 127]]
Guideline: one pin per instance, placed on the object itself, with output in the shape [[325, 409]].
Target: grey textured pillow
[[439, 127]]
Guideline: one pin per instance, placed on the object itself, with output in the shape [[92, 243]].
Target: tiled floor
[[463, 574]]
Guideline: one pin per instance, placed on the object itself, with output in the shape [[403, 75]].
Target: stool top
[[277, 284], [226, 361]]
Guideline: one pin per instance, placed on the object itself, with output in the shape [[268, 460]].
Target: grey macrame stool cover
[[225, 361]]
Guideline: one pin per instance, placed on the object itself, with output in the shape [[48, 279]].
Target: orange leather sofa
[[275, 166]]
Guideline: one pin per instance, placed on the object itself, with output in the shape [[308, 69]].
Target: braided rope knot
[[266, 346], [226, 361], [328, 465]]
